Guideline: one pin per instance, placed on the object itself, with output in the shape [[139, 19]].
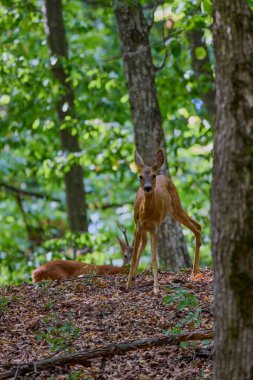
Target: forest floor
[[51, 319]]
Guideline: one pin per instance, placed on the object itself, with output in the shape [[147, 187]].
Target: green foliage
[[35, 230], [59, 336], [75, 375], [174, 330], [200, 53], [182, 300]]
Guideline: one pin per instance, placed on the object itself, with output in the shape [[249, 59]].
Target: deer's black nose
[[147, 188]]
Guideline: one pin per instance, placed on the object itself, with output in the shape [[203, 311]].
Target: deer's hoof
[[196, 277], [156, 290]]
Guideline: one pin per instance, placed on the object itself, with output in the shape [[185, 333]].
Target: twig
[[121, 348], [175, 33]]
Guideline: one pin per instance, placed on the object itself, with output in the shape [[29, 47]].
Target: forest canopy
[[33, 212]]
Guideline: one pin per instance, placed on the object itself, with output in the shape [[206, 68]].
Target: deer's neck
[[149, 202]]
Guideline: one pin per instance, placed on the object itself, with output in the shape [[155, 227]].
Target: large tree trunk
[[75, 192], [232, 210], [140, 75]]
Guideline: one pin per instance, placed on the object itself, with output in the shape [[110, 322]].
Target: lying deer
[[65, 269], [157, 197]]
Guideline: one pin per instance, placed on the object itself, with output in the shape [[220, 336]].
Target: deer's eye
[[153, 176], [140, 176]]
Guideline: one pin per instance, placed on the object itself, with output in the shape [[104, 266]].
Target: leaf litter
[[55, 318]]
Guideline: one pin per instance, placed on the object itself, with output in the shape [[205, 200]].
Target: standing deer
[[66, 269], [156, 198]]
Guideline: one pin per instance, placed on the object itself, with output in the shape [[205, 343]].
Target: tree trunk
[[75, 191], [232, 209], [202, 68], [140, 75]]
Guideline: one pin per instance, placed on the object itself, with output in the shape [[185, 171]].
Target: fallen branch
[[81, 357]]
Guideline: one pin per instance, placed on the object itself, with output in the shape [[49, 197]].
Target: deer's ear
[[158, 160], [138, 160], [122, 244]]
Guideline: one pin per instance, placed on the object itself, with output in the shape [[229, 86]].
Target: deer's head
[[126, 249], [148, 173]]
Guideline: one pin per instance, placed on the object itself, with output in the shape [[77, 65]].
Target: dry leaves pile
[[54, 318]]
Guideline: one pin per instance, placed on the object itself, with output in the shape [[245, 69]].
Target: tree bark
[[147, 119], [75, 191], [232, 209]]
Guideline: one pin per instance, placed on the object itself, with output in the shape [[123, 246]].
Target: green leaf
[[36, 124], [4, 100], [207, 6], [175, 47], [200, 53]]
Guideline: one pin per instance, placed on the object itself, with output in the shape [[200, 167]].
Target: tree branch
[[121, 348], [158, 68], [28, 193], [21, 192], [165, 39]]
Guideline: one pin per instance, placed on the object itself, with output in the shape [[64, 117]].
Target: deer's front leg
[[142, 246], [137, 238], [153, 238]]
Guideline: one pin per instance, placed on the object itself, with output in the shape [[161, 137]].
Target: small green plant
[[206, 342], [185, 344], [174, 331], [193, 319], [75, 375], [49, 318], [49, 305], [182, 299], [205, 375], [4, 301], [44, 286], [59, 337]]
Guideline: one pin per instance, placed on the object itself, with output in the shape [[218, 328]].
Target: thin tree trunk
[[75, 191], [140, 75], [202, 68], [232, 209]]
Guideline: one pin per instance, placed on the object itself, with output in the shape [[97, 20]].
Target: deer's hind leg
[[182, 217], [153, 237]]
